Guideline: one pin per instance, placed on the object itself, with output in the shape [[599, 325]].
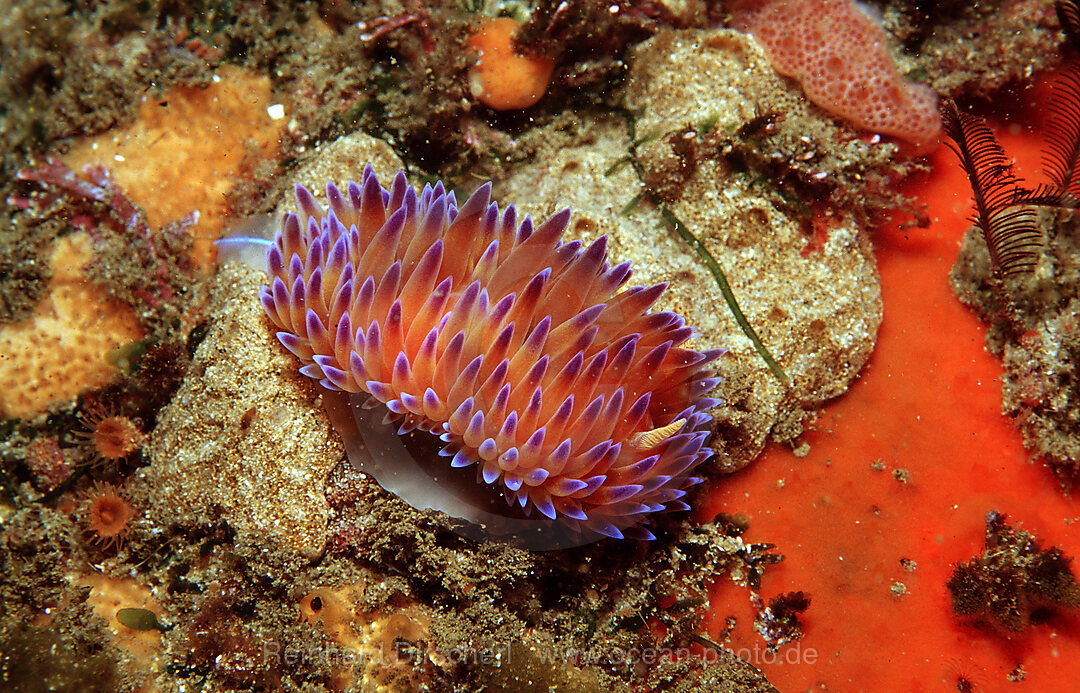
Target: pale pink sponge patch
[[839, 56], [524, 355]]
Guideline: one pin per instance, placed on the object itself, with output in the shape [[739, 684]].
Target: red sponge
[[839, 56]]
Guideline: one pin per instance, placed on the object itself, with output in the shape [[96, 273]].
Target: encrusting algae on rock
[[838, 53]]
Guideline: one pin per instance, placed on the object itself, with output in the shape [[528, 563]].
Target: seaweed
[[778, 622], [675, 224], [149, 269], [721, 281]]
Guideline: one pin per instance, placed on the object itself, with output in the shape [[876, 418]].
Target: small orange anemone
[[108, 514], [111, 437], [502, 79]]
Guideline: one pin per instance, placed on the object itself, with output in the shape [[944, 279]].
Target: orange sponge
[[64, 347], [839, 55], [501, 78]]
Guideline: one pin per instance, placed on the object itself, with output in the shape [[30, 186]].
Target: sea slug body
[[522, 353]]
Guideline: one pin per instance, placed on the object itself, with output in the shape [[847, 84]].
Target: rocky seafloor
[[255, 556]]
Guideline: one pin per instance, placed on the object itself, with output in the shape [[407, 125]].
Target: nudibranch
[[523, 354]]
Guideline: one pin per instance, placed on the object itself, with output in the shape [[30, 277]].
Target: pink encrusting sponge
[[839, 56], [520, 352]]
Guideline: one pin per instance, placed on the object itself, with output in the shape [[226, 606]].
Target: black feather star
[[1002, 209], [1061, 154], [1068, 12]]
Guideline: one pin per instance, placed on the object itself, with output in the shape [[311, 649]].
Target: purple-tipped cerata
[[521, 353]]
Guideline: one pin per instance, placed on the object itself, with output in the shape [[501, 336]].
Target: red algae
[[895, 489]]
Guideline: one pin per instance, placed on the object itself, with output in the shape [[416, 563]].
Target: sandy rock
[[817, 310], [245, 440], [341, 161]]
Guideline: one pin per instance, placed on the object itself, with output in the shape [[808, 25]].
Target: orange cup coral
[[108, 514], [111, 438], [502, 79]]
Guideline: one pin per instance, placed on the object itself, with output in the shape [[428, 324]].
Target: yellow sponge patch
[[62, 349], [187, 148]]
